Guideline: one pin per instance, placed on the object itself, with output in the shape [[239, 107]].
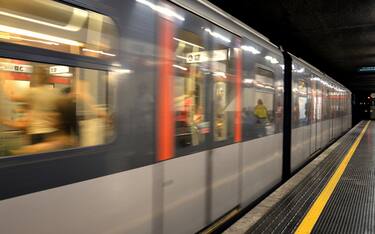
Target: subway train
[[147, 116]]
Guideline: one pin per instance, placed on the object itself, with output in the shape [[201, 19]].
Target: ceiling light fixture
[[47, 37], [162, 10], [217, 35], [250, 49]]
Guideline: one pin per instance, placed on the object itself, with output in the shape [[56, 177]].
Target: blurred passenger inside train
[[20, 123], [198, 115], [80, 94], [199, 126], [65, 134], [261, 113], [41, 99], [250, 122]]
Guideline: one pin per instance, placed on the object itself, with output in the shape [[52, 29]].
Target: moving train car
[[141, 116]]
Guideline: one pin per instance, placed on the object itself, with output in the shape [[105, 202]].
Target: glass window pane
[[303, 87], [47, 107], [262, 109], [222, 68], [264, 102], [191, 64], [55, 26]]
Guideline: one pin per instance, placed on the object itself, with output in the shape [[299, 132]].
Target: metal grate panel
[[351, 208], [285, 216]]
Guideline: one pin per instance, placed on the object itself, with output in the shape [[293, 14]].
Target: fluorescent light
[[98, 52], [274, 61], [301, 70], [217, 35], [68, 27], [47, 37], [188, 43], [108, 54], [180, 67], [116, 64], [123, 71], [250, 49], [36, 41], [248, 81], [271, 59], [162, 10], [220, 74]]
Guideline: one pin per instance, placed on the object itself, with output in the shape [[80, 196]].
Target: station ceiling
[[336, 36]]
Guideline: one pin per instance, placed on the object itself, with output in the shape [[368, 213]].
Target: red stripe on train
[[237, 122], [165, 115]]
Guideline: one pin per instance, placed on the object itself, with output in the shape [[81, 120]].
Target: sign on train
[[13, 67], [58, 69], [205, 56]]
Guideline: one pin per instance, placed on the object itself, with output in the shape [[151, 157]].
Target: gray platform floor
[[351, 207]]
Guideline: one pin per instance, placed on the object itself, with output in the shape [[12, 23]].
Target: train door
[[184, 73], [306, 116], [325, 114], [301, 115], [332, 113], [224, 158], [313, 117], [335, 113], [204, 66], [319, 131]]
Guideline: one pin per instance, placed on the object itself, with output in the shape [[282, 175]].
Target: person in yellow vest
[[261, 110], [261, 113]]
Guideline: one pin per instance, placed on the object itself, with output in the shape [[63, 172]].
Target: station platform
[[335, 193]]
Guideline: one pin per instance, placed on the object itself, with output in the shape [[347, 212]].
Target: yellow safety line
[[316, 209]]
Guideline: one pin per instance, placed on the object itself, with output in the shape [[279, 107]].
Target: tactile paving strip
[[351, 208], [285, 216]]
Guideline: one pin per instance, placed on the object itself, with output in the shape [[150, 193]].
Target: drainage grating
[[285, 216], [351, 208]]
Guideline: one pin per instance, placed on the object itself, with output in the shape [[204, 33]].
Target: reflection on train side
[[55, 26], [263, 108], [207, 62], [203, 85], [49, 107]]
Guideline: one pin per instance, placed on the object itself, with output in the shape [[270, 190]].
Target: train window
[[325, 103], [262, 91], [47, 107], [313, 105], [55, 26], [264, 100], [223, 75], [191, 64], [204, 70], [318, 101], [303, 108], [262, 112], [304, 103]]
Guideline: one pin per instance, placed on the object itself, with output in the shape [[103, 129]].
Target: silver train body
[[140, 183]]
